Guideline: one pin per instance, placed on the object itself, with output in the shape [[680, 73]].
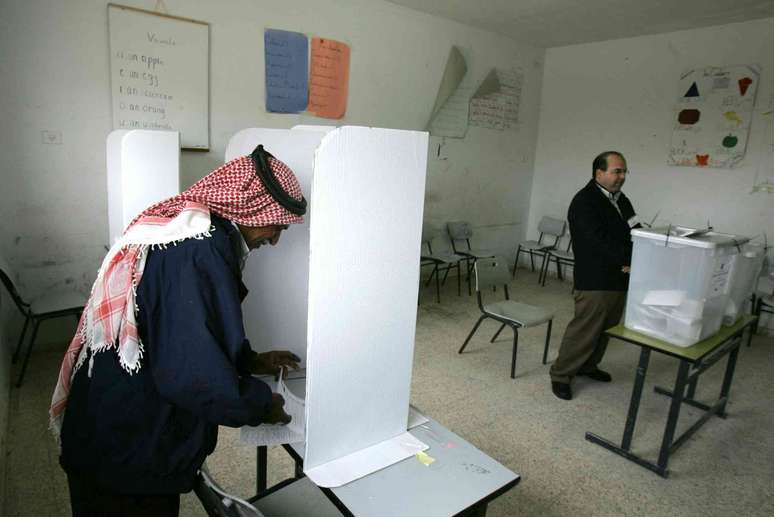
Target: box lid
[[682, 235]]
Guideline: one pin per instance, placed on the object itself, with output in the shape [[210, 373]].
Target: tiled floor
[[725, 469]]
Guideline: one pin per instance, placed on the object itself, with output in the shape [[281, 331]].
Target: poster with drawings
[[711, 120]]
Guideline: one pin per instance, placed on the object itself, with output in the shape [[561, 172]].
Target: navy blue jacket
[[149, 432], [601, 240]]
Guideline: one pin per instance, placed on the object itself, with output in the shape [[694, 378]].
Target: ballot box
[[747, 268], [681, 282]]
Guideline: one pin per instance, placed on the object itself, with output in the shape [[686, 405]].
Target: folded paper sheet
[[293, 432], [450, 112], [278, 277], [495, 105], [365, 225], [365, 461]]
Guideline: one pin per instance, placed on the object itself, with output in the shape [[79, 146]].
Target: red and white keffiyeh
[[233, 191]]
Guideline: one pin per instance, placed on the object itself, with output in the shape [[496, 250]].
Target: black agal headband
[[260, 159]]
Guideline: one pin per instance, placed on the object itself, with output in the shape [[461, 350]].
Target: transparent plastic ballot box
[[744, 277], [680, 282]]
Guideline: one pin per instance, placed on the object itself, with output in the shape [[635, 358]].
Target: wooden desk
[[694, 360]]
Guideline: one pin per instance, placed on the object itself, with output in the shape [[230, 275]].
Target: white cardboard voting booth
[[143, 167], [340, 290]]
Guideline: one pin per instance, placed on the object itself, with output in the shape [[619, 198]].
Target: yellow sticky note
[[425, 459]]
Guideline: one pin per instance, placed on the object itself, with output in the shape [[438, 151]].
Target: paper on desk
[[365, 461], [275, 434]]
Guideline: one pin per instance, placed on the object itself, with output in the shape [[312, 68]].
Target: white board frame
[[159, 73]]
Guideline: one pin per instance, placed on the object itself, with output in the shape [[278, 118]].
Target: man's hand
[[276, 413], [626, 269], [271, 362]]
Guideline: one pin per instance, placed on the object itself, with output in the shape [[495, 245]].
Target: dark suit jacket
[[601, 240]]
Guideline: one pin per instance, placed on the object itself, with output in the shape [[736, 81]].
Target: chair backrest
[[492, 273], [5, 277], [428, 234], [459, 231], [552, 227]]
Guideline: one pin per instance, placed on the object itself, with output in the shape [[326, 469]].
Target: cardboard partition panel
[[143, 167]]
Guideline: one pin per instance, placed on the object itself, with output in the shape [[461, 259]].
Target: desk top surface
[[460, 477], [691, 353]]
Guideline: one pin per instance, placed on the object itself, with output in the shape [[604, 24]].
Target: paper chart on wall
[[495, 104], [329, 78], [287, 82], [267, 434], [712, 116], [450, 111]]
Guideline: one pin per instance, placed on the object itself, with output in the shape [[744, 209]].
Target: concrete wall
[[55, 77]]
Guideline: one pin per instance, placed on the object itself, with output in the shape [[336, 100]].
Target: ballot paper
[[276, 434]]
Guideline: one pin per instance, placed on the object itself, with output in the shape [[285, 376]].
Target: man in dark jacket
[[600, 217], [160, 358]]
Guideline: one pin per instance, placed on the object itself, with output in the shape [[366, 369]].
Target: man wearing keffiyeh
[[160, 357]]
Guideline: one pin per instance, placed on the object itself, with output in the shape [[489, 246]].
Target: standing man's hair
[[600, 162]]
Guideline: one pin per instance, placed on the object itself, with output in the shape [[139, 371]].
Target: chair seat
[[522, 313], [444, 258], [534, 246], [768, 300], [563, 255], [58, 301], [478, 253]]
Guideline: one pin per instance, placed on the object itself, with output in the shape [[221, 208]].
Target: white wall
[[54, 74], [620, 95]]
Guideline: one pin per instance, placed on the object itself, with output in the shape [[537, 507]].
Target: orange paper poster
[[328, 78]]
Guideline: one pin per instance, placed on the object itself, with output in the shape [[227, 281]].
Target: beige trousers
[[584, 344]]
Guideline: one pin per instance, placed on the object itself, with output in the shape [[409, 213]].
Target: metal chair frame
[[31, 317], [471, 255], [560, 261], [514, 325], [543, 226], [436, 262]]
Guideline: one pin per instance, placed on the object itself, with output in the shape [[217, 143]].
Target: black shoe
[[561, 390], [597, 375]]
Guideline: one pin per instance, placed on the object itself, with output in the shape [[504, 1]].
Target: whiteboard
[[159, 74]]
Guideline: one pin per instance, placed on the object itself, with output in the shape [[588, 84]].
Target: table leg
[[260, 468], [479, 511], [674, 414], [634, 403], [728, 377]]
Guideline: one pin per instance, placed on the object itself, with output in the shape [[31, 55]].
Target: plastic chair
[[441, 261], [493, 273], [560, 258], [52, 305], [293, 496], [548, 227], [460, 232]]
